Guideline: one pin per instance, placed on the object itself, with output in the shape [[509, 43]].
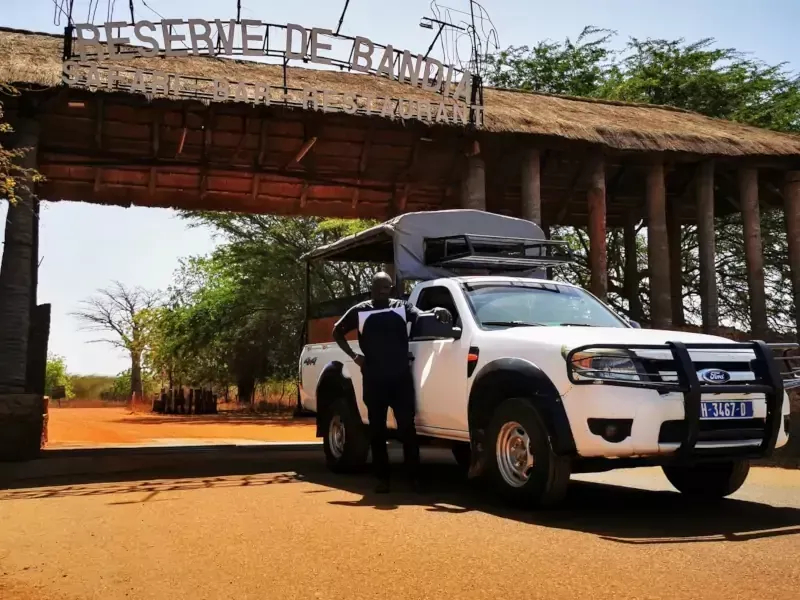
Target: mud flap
[[478, 457]]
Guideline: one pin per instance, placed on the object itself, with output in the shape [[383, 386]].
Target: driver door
[[440, 372]]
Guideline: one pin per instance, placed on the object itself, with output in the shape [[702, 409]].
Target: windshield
[[532, 304]]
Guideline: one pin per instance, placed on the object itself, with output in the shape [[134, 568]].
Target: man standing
[[382, 324]]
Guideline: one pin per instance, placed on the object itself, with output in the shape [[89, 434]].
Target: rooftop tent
[[428, 245]]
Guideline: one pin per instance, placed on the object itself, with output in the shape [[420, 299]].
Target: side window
[[438, 296]]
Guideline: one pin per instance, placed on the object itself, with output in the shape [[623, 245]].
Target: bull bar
[[769, 379]]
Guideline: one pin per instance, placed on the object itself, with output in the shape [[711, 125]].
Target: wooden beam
[[706, 238], [532, 186], [753, 251], [304, 149], [598, 260], [155, 133], [674, 237], [98, 126], [304, 196], [791, 198], [262, 141], [658, 248], [256, 185]]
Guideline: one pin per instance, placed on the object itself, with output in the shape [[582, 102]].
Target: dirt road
[[283, 527], [92, 427]]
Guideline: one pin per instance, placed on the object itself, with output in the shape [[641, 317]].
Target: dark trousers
[[397, 394]]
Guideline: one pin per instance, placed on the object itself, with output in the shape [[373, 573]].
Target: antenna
[[341, 19]]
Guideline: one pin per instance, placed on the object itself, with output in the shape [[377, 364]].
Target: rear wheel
[[708, 480], [523, 467], [345, 439]]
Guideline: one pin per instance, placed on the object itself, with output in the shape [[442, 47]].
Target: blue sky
[[85, 247]]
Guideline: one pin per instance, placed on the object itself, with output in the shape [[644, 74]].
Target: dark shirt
[[382, 335]]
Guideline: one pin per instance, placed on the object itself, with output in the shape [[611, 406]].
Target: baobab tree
[[127, 314]]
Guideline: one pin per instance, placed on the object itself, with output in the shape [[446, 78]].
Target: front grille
[[662, 370], [722, 430]]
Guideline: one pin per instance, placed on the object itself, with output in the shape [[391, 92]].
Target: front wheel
[[523, 467], [708, 480], [345, 439]]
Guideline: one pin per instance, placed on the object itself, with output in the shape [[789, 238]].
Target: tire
[[463, 455], [708, 480], [547, 478], [350, 453]]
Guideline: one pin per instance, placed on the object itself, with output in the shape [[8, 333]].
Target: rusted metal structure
[[553, 160]]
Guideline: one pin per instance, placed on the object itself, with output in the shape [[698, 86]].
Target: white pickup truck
[[537, 379]]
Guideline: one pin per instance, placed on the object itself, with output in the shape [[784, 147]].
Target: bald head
[[381, 289]]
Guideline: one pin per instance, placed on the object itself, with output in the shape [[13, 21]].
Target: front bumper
[[664, 414]]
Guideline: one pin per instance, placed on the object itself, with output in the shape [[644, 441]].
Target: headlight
[[609, 365]]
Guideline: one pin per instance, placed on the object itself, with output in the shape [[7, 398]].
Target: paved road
[[272, 525]]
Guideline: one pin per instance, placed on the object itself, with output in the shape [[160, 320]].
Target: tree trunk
[[136, 375], [246, 386]]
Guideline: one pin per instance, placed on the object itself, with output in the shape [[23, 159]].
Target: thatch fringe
[[35, 58]]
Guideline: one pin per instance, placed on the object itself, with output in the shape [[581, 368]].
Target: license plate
[[738, 409]]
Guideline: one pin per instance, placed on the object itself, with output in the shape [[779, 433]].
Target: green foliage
[[56, 375], [120, 388], [91, 387], [13, 178], [718, 82], [236, 316]]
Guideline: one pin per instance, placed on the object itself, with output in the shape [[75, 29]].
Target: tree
[[57, 376], [236, 316], [128, 314], [718, 82]]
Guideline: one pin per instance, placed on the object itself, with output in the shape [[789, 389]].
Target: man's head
[[381, 289]]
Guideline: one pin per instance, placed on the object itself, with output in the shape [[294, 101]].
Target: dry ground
[[274, 524], [79, 427]]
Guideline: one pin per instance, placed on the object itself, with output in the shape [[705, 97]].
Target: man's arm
[[413, 313], [345, 325]]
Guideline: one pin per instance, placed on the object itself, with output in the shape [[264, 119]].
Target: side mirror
[[429, 327], [634, 324]]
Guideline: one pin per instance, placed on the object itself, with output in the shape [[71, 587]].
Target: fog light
[[611, 430]]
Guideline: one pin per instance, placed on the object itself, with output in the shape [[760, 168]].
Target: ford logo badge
[[714, 375]]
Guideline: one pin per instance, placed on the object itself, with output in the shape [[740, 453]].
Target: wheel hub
[[514, 455], [336, 435]]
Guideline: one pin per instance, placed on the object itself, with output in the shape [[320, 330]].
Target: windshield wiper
[[512, 324], [575, 325]]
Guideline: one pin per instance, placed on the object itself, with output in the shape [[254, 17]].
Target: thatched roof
[[35, 58]]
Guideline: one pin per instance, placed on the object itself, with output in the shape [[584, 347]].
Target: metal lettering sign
[[95, 58]]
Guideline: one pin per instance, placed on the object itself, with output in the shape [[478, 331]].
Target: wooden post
[[631, 267], [706, 238], [473, 185], [658, 248], [531, 186], [791, 199], [754, 258], [21, 413], [675, 261], [597, 228]]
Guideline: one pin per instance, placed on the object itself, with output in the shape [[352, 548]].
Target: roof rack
[[487, 252]]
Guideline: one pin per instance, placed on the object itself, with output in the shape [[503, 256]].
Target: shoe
[[383, 487]]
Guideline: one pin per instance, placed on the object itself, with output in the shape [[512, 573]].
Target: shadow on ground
[[272, 419], [615, 513]]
